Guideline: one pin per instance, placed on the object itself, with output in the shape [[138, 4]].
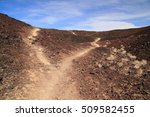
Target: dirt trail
[[51, 82], [73, 33]]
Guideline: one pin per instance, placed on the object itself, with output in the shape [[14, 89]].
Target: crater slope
[[37, 63]]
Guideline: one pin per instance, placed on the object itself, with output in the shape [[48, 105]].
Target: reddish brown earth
[[38, 63]]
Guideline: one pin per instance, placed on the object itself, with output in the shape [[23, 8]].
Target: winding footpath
[[49, 81]]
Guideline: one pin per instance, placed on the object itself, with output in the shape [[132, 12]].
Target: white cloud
[[50, 12], [63, 9], [121, 16], [109, 25], [57, 9], [93, 3], [38, 21], [101, 25], [89, 14]]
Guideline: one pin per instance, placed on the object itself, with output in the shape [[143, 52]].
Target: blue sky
[[98, 15]]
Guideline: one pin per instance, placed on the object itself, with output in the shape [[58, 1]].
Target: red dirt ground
[[38, 63]]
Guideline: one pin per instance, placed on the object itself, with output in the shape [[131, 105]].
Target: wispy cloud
[[80, 14], [117, 16], [37, 20], [99, 25], [59, 9], [51, 12]]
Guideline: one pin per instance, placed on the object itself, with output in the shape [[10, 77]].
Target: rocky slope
[[59, 64]]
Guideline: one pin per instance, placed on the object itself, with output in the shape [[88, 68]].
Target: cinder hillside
[[38, 63]]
